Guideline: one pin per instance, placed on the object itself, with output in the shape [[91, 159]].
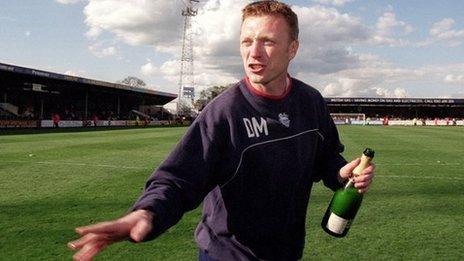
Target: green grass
[[53, 182]]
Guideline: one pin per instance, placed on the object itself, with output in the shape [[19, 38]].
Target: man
[[56, 120], [252, 155]]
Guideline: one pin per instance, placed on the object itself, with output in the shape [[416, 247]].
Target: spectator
[[95, 120], [56, 120]]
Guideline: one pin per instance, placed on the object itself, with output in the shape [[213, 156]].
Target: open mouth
[[256, 68]]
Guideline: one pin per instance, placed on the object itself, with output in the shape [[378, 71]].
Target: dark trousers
[[203, 256]]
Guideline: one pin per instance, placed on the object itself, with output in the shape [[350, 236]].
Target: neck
[[275, 88]]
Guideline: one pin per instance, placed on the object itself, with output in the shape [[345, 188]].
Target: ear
[[293, 49]]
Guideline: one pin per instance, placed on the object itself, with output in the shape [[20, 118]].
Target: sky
[[348, 48]]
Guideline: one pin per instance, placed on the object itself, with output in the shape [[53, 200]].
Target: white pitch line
[[132, 167], [418, 164], [77, 164], [417, 177]]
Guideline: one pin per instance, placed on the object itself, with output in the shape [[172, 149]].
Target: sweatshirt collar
[[269, 96]]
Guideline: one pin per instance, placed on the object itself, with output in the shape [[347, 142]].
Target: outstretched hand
[[361, 182], [95, 238]]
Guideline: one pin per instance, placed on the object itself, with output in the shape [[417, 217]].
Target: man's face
[[266, 48]]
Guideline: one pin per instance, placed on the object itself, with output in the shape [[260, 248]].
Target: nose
[[256, 49]]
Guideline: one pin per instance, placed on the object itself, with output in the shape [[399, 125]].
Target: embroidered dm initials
[[255, 128]]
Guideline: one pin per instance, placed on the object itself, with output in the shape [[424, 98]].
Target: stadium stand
[[397, 111], [29, 97]]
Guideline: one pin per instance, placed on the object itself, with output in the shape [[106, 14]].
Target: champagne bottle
[[345, 202]]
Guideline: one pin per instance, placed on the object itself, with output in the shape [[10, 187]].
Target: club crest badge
[[283, 118]]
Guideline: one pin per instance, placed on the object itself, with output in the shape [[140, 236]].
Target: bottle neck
[[365, 161], [349, 184]]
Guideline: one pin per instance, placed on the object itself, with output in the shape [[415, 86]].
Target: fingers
[[366, 175], [345, 171], [90, 250], [103, 227], [369, 170], [141, 230], [78, 244], [97, 237], [363, 186], [362, 182], [89, 245]]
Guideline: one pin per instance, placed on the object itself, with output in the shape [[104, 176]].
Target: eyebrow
[[259, 38]]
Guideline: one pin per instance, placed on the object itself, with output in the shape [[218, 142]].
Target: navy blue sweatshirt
[[252, 160]]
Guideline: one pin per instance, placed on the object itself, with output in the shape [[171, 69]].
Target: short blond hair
[[276, 8]]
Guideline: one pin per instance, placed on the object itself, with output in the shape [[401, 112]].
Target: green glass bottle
[[345, 202]]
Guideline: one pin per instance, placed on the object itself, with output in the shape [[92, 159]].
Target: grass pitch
[[53, 182]]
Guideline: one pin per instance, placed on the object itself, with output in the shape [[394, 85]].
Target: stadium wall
[[440, 122], [24, 124]]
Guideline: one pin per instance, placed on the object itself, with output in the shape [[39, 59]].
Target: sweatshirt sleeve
[[182, 181], [329, 159]]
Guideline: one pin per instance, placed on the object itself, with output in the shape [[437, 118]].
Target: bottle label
[[337, 224]]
